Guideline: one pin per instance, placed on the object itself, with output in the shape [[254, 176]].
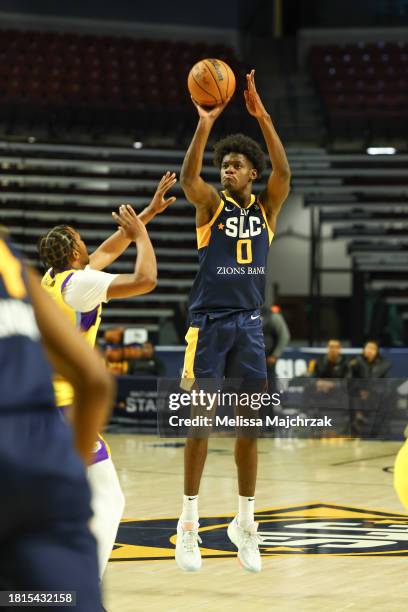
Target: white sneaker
[[188, 556], [246, 540]]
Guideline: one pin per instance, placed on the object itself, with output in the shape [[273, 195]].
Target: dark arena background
[[94, 109]]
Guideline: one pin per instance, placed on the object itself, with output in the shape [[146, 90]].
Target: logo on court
[[312, 529]]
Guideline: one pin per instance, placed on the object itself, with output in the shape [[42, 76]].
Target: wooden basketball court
[[334, 533]]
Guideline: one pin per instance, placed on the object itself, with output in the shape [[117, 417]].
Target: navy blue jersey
[[25, 374], [232, 251]]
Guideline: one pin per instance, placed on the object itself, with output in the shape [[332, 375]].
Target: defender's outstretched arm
[[144, 278], [117, 244]]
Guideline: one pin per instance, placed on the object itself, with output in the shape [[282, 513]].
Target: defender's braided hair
[[56, 247]]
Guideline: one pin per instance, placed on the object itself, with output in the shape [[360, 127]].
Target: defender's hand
[[159, 203], [252, 100], [212, 113], [129, 223]]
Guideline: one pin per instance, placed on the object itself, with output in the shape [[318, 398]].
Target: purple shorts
[[100, 452]]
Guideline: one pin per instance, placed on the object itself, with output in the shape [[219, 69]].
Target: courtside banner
[[300, 408]]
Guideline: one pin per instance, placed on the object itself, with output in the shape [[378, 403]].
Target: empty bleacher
[[42, 186], [363, 199], [364, 87], [99, 83]]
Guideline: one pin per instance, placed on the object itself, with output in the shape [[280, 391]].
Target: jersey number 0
[[244, 251]]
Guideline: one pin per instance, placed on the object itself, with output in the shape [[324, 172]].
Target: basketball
[[211, 82]]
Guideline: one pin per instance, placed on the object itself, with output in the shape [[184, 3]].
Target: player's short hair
[[56, 247], [238, 143], [372, 341]]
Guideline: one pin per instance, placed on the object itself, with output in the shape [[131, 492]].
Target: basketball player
[[76, 282], [234, 231], [401, 471], [45, 541]]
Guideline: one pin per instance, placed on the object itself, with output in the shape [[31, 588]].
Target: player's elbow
[[188, 183], [146, 283], [284, 174], [97, 382], [190, 190], [186, 178], [132, 285], [151, 283]]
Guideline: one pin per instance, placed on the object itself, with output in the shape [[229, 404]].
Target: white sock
[[190, 508], [246, 507], [108, 504]]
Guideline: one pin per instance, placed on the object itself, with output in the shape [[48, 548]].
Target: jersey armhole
[[217, 212], [204, 231], [66, 281], [270, 231]]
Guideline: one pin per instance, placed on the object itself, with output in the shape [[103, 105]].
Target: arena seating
[[363, 200], [99, 81], [44, 185], [363, 86]]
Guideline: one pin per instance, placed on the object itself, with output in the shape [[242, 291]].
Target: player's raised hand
[[212, 113], [252, 100], [159, 203], [129, 224]]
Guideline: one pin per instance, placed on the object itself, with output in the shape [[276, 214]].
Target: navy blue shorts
[[45, 542], [229, 346]]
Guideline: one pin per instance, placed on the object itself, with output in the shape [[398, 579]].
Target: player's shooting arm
[[279, 180], [196, 190], [76, 361], [278, 186], [117, 244], [144, 278]]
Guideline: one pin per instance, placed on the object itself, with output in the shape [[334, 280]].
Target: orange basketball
[[211, 82]]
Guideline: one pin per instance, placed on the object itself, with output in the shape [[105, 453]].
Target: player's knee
[[246, 442], [197, 442]]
